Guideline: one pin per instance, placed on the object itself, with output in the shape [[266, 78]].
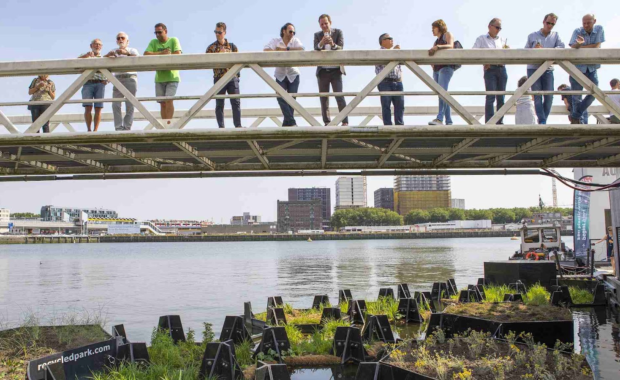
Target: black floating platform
[[529, 272]]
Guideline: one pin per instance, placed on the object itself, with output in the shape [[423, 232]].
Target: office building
[[350, 192], [311, 193], [458, 203], [5, 215], [421, 192], [245, 220], [300, 215], [384, 198], [60, 214]]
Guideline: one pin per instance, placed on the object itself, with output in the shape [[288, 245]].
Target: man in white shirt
[[129, 80], [615, 86], [287, 77], [495, 76]]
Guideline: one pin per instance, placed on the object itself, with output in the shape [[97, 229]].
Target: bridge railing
[[412, 59]]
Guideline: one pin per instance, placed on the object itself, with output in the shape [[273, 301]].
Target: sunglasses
[[120, 38], [159, 32], [216, 32], [291, 32], [388, 38], [551, 23], [497, 27]]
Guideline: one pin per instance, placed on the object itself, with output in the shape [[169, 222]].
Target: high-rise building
[[5, 215], [384, 198], [308, 194], [60, 214], [350, 192], [458, 203], [422, 192], [300, 215], [245, 219]]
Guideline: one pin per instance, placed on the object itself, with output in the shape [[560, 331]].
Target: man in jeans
[[166, 81], [94, 88], [568, 103], [221, 45], [329, 39], [495, 76], [129, 80], [544, 38], [589, 36], [392, 82]]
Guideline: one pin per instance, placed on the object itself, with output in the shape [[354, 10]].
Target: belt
[[392, 80], [330, 68], [126, 75], [497, 65], [97, 81]]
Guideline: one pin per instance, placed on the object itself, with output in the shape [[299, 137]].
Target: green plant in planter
[[580, 296]]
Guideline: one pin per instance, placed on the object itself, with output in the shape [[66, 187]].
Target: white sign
[[123, 229]]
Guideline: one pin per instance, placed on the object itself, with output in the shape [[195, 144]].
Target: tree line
[[383, 217]]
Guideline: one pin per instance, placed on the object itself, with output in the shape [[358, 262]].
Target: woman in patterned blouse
[[42, 89]]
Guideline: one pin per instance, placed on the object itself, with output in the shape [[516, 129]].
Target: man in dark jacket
[[329, 39]]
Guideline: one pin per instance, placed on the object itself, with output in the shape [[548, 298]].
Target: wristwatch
[[288, 48]]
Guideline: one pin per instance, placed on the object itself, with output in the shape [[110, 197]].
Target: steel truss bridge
[[162, 150]]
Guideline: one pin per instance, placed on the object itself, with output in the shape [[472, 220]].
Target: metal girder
[[56, 151], [128, 153], [259, 153], [390, 150], [191, 151], [268, 151], [7, 123], [520, 149], [323, 153], [35, 164], [587, 148], [456, 149], [382, 150]]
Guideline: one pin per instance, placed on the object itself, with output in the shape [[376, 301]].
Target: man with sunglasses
[[589, 36], [221, 45], [94, 88], [392, 82], [548, 39], [495, 76], [127, 79], [166, 81]]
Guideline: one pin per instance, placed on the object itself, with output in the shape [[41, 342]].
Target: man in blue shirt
[[544, 38], [590, 36]]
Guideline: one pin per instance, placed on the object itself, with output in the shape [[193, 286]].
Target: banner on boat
[[581, 218]]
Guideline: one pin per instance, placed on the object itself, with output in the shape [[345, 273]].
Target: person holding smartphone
[[545, 38], [94, 88]]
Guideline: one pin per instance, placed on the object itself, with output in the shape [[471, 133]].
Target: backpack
[[457, 45]]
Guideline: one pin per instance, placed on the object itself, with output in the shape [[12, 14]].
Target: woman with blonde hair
[[442, 73]]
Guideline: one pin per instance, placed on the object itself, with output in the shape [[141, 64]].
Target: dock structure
[[368, 145]]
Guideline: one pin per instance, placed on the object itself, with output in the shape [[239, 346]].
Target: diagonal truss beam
[[132, 99], [475, 158], [456, 149], [193, 152], [519, 92], [602, 119], [382, 150], [585, 149], [443, 94], [268, 151], [608, 160], [365, 91], [202, 102], [366, 120], [35, 164], [59, 152], [390, 150], [259, 153], [576, 74], [257, 122], [532, 144], [276, 121], [285, 95], [7, 123], [60, 101], [128, 153]]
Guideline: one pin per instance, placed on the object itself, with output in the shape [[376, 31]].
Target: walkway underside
[[311, 148]]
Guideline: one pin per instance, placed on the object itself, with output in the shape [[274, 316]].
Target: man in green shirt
[[166, 81]]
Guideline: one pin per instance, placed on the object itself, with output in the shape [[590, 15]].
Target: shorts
[[93, 91], [166, 89]]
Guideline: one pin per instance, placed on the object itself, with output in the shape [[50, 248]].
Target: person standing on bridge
[[42, 89], [548, 39], [221, 45], [287, 77], [392, 82], [442, 73], [129, 80], [94, 88], [330, 39], [589, 36], [615, 86], [166, 81], [495, 76]]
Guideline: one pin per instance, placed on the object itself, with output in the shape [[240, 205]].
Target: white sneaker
[[435, 122]]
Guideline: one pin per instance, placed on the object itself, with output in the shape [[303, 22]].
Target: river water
[[136, 283]]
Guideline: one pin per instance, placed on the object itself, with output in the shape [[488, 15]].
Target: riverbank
[[256, 237]]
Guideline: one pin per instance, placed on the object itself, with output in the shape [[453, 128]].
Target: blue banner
[[581, 219]]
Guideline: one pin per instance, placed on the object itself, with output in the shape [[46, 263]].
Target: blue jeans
[[287, 110], [443, 77], [231, 87], [92, 90], [542, 103], [37, 111], [386, 102], [495, 79], [581, 106]]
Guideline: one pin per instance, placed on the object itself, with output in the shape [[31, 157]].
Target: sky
[[43, 30]]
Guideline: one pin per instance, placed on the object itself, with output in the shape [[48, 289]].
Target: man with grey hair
[[94, 88], [548, 39], [392, 82], [127, 79], [495, 76], [589, 36]]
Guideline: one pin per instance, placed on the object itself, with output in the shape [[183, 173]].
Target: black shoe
[[574, 121]]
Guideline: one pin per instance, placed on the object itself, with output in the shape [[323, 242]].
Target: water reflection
[[599, 340], [328, 373]]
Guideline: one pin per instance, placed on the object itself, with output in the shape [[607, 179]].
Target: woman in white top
[[526, 115], [287, 77]]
